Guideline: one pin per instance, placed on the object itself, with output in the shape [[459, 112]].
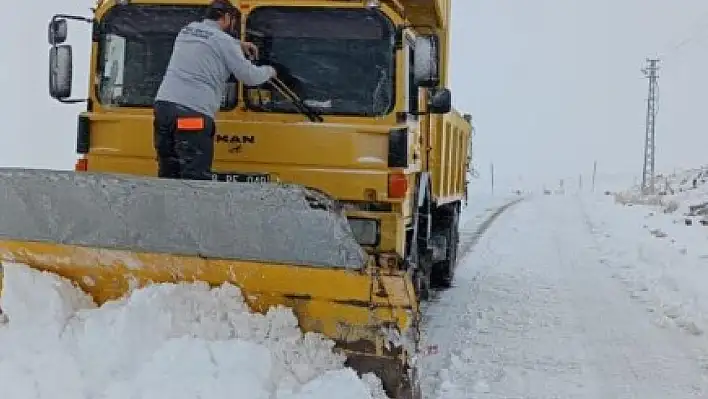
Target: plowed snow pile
[[164, 341], [683, 193]]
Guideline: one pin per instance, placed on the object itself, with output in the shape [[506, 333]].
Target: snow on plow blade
[[271, 223], [281, 244]]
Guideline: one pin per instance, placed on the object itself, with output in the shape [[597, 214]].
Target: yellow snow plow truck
[[337, 193]]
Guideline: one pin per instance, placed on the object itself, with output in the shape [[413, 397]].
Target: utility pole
[[594, 173], [492, 168], [650, 71]]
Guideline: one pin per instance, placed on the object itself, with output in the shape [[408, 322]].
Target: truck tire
[[411, 388], [448, 226], [423, 276], [420, 256]]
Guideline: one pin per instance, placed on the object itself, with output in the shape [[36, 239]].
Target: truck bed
[[449, 157]]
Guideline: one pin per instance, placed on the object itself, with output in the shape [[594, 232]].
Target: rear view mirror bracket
[[439, 102]]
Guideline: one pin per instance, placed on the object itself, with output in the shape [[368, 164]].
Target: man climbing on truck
[[204, 55]]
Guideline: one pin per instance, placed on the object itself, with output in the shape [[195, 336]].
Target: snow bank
[[683, 193], [677, 214], [656, 245], [171, 341]]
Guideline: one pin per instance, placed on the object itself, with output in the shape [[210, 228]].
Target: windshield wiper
[[296, 100]]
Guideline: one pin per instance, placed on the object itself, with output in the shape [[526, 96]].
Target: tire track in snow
[[468, 242], [440, 314], [470, 234]]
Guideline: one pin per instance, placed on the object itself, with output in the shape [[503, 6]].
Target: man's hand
[[273, 72], [250, 50]]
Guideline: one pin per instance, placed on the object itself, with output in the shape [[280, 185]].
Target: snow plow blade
[[281, 244]]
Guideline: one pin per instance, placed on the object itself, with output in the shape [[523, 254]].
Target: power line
[[694, 34]]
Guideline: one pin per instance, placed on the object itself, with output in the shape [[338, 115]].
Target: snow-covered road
[[538, 311]]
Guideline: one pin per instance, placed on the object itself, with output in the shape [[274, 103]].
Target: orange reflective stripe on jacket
[[190, 123]]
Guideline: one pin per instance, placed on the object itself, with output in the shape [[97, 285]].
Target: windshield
[[338, 61], [135, 47]]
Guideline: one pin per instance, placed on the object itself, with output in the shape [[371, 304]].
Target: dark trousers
[[184, 142]]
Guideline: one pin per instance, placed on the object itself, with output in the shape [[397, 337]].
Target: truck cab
[[372, 126]]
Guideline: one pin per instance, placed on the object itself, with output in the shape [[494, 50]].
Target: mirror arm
[[74, 17], [406, 26], [72, 100], [418, 113]]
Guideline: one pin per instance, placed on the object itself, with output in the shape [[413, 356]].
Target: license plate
[[241, 177]]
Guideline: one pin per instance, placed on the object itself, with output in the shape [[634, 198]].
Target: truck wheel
[[410, 388], [444, 271], [423, 276], [449, 269], [421, 256]]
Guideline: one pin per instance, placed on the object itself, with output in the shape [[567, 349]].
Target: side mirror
[[440, 101], [57, 31], [60, 72], [426, 61]]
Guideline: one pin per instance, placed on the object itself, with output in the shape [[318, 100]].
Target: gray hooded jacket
[[202, 60]]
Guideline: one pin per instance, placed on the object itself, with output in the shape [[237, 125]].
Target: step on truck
[[338, 195]]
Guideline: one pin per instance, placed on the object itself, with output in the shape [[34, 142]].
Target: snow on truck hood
[[164, 341]]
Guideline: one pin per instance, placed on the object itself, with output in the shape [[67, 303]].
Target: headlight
[[366, 231]]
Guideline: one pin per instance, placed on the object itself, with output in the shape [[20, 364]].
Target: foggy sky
[[552, 85]]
